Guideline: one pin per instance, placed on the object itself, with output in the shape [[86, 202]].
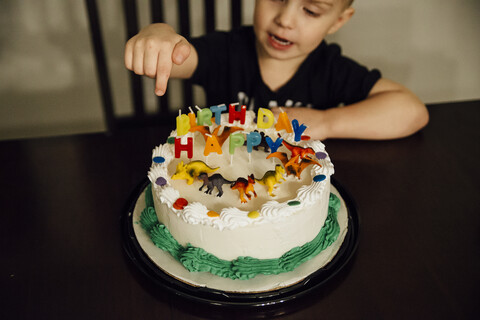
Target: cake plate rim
[[218, 297]]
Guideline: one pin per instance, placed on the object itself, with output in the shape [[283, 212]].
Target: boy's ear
[[342, 19]]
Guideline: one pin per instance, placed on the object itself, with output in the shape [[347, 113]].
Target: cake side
[[198, 260], [267, 238]]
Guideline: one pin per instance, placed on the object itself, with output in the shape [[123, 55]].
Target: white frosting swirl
[[196, 213], [168, 195], [156, 171], [272, 210], [310, 193], [233, 218], [166, 151]]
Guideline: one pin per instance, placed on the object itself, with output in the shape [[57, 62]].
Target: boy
[[283, 61]]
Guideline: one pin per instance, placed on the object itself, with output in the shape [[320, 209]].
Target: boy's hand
[[314, 119], [154, 51], [390, 111]]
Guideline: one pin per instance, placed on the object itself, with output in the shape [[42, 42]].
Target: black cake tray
[[314, 281]]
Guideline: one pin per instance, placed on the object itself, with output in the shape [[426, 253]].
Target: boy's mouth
[[279, 43]]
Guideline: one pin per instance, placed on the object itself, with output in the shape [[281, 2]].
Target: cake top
[[253, 170]]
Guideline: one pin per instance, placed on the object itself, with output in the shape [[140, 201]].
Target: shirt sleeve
[[350, 81]]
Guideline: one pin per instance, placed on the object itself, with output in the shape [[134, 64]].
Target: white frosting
[[232, 233]]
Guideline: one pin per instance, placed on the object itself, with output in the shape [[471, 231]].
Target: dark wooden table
[[419, 247]]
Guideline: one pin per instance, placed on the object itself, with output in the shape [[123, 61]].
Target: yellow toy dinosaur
[[271, 178], [191, 170]]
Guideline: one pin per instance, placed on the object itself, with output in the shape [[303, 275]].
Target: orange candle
[[212, 145], [283, 122], [192, 117]]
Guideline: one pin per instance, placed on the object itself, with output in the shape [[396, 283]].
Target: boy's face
[[289, 29]]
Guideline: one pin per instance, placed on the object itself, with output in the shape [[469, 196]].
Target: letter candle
[[283, 123], [204, 116], [211, 145], [183, 123], [261, 115], [253, 139], [299, 129], [236, 140], [217, 110], [274, 145], [179, 147], [192, 117], [233, 114]]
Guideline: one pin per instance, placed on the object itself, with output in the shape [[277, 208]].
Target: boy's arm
[[390, 111], [157, 51]]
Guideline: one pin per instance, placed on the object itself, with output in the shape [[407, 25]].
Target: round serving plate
[[156, 274]]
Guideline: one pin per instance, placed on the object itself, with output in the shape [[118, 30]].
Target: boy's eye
[[311, 12]]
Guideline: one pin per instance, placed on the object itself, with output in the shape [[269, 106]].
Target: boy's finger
[[137, 60], [181, 52], [150, 63], [164, 67], [128, 57]]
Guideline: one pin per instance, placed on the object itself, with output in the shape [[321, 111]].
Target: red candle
[[233, 114], [179, 147]]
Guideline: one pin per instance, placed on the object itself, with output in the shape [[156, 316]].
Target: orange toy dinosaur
[[245, 186], [205, 130], [293, 167], [298, 153]]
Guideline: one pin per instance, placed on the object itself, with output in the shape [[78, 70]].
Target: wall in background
[[47, 79], [48, 84]]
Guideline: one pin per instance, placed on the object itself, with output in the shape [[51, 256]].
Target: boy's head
[[287, 29], [347, 3]]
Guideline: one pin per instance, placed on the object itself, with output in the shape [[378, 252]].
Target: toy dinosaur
[[271, 178], [245, 186], [293, 167], [263, 143], [216, 180], [191, 170], [298, 153], [205, 131]]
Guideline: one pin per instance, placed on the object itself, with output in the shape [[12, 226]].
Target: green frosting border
[[198, 260]]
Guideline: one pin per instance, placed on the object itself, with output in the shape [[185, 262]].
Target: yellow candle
[[183, 124], [261, 115]]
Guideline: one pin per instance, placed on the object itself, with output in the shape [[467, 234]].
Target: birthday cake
[[240, 195]]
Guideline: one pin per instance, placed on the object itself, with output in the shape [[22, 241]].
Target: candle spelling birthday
[[202, 122]]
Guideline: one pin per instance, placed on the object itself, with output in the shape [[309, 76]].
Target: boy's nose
[[286, 17]]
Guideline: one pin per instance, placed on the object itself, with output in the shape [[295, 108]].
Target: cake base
[[163, 270]]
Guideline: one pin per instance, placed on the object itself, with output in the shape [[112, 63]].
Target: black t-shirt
[[228, 71]]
